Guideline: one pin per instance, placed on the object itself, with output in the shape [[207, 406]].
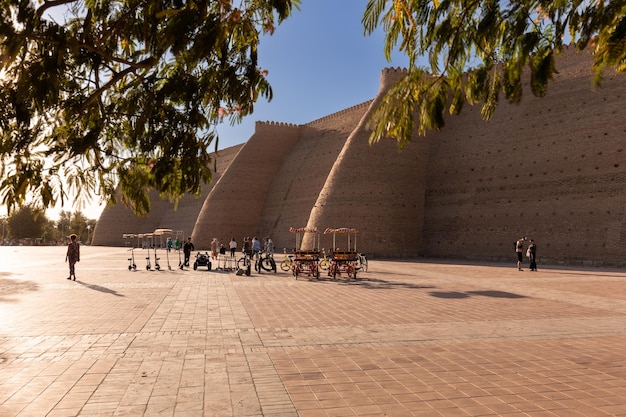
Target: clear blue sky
[[320, 61]]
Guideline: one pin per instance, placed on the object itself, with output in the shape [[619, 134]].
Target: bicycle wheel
[[285, 265], [324, 264], [241, 263], [351, 271], [266, 263]]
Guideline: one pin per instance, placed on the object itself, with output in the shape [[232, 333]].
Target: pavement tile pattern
[[407, 338]]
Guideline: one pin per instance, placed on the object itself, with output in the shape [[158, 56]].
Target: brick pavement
[[406, 339]]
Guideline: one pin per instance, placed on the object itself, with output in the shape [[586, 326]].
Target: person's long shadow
[[100, 289]]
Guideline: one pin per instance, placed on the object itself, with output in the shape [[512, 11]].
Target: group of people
[[252, 247], [531, 253], [173, 244]]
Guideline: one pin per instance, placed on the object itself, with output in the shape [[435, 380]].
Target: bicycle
[[287, 263], [325, 261], [361, 262], [266, 262], [244, 264]]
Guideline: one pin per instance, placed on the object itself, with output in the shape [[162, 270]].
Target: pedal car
[[202, 259]]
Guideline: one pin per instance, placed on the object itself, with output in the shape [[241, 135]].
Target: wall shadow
[[467, 294], [449, 294], [497, 294], [373, 283]]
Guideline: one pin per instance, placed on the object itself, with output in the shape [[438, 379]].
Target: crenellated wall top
[[340, 113], [391, 75], [273, 124]]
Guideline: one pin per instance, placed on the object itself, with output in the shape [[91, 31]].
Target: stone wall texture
[[551, 168]]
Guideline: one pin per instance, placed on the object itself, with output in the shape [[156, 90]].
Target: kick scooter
[[131, 260], [156, 260], [148, 266]]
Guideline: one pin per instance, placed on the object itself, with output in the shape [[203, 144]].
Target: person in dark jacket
[[187, 248], [532, 255]]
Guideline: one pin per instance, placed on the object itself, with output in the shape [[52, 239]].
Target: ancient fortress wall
[[296, 186], [375, 189], [550, 168], [553, 169], [235, 205], [117, 220]]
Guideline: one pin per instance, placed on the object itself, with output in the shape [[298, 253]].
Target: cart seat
[[307, 255], [346, 255]]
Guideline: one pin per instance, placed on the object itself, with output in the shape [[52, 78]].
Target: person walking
[[519, 251], [233, 247], [214, 244], [187, 248], [532, 255], [73, 255]]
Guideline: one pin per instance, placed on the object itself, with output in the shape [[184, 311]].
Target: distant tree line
[[29, 225]]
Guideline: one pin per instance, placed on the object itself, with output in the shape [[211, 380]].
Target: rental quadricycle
[[343, 259], [306, 261]]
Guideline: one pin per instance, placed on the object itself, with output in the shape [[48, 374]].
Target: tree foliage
[[477, 51], [31, 222], [27, 222], [107, 93]]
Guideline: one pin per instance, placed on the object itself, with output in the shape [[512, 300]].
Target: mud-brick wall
[[235, 205], [552, 169], [117, 220], [299, 180], [377, 190]]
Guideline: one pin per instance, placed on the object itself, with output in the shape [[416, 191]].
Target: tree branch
[[48, 4], [146, 63]]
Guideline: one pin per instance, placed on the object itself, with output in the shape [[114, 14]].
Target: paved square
[[422, 338]]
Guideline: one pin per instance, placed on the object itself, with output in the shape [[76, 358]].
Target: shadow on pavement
[[459, 295], [9, 288], [381, 284], [497, 294], [100, 289]]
